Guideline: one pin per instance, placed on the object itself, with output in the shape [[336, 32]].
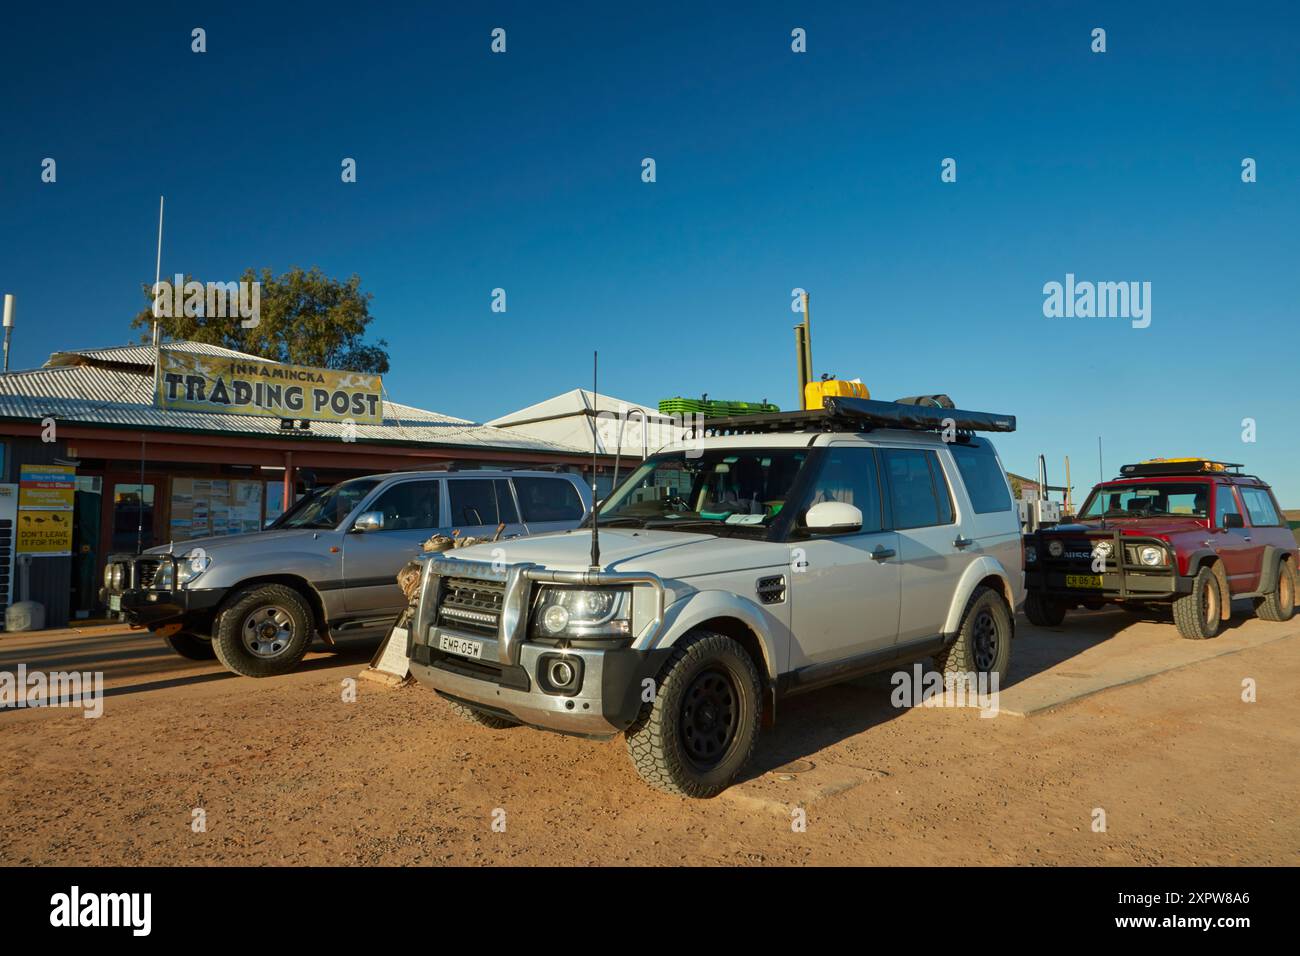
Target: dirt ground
[[288, 772]]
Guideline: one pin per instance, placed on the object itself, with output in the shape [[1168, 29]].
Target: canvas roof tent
[[583, 419]]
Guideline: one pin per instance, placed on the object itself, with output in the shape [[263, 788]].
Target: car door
[[411, 510], [548, 504], [844, 587], [1241, 555], [478, 505], [931, 552], [1264, 526]]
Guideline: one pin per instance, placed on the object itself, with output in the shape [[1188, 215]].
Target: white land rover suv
[[780, 554]]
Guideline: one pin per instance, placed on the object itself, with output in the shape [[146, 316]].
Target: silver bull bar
[[512, 629]]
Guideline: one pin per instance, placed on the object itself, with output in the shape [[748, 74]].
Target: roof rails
[[1179, 466], [844, 414]]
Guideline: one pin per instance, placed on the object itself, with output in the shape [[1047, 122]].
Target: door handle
[[961, 543], [882, 554]]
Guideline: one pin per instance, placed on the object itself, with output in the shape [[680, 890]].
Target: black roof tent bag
[[897, 415]]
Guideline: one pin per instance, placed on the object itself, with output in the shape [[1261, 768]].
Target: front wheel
[[1198, 614], [1043, 611], [263, 631], [195, 647], [701, 727]]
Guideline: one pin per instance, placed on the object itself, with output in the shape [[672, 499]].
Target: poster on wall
[[204, 507], [45, 501]]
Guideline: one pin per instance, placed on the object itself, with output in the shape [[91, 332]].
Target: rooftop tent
[[583, 419]]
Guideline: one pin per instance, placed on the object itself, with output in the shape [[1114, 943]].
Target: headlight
[[1031, 553], [1055, 548], [578, 613], [188, 567], [1151, 556], [108, 575], [114, 573]]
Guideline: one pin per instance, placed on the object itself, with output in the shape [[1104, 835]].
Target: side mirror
[[833, 516], [369, 521], [1233, 521]]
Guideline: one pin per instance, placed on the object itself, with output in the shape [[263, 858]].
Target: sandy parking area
[[286, 771]]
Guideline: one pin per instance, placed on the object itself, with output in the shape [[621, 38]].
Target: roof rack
[[1180, 466], [844, 414]]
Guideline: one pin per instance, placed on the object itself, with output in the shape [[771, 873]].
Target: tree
[[304, 318]]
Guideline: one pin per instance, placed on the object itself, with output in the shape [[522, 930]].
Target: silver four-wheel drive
[[328, 567], [793, 551]]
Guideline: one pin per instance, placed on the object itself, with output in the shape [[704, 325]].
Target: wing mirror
[[369, 521], [1233, 521], [833, 516]]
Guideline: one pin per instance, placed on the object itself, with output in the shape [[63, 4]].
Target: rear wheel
[[701, 727], [263, 631], [1042, 611], [1279, 604], [196, 647], [1198, 614], [983, 644]]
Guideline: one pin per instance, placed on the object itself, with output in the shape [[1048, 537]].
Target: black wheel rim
[[710, 717], [986, 640]]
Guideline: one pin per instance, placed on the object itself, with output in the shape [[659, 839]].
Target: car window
[[1259, 505], [849, 475], [328, 508], [481, 501], [409, 505], [1225, 503], [548, 499], [912, 493], [982, 476]]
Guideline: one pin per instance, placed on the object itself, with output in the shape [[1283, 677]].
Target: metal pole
[[157, 279], [9, 324]]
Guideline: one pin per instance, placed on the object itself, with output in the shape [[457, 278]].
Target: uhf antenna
[[595, 507]]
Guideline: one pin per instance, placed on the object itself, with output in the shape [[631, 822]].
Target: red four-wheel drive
[[1190, 533]]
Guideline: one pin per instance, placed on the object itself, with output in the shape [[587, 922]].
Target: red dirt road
[[287, 772]]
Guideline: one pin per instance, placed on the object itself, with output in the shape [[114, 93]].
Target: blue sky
[[774, 170]]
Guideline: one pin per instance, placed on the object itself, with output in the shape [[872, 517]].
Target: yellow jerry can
[[815, 392]]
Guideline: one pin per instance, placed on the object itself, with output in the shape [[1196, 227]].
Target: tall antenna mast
[[157, 280], [595, 506]]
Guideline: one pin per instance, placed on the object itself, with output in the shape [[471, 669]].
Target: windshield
[[723, 486], [1184, 499], [330, 507]]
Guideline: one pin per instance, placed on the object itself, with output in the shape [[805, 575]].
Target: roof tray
[[841, 413]]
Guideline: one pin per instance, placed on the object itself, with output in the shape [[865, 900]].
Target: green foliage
[[306, 318]]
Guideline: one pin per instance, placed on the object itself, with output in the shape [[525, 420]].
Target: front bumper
[[139, 603], [510, 677], [1122, 580], [1131, 586]]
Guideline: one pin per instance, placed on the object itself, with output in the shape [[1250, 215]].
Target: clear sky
[[774, 170]]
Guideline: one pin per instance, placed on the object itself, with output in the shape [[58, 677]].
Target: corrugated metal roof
[[143, 354], [92, 394]]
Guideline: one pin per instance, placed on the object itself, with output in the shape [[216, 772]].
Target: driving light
[[1151, 556], [1055, 548], [1103, 549], [583, 612], [1031, 553]]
